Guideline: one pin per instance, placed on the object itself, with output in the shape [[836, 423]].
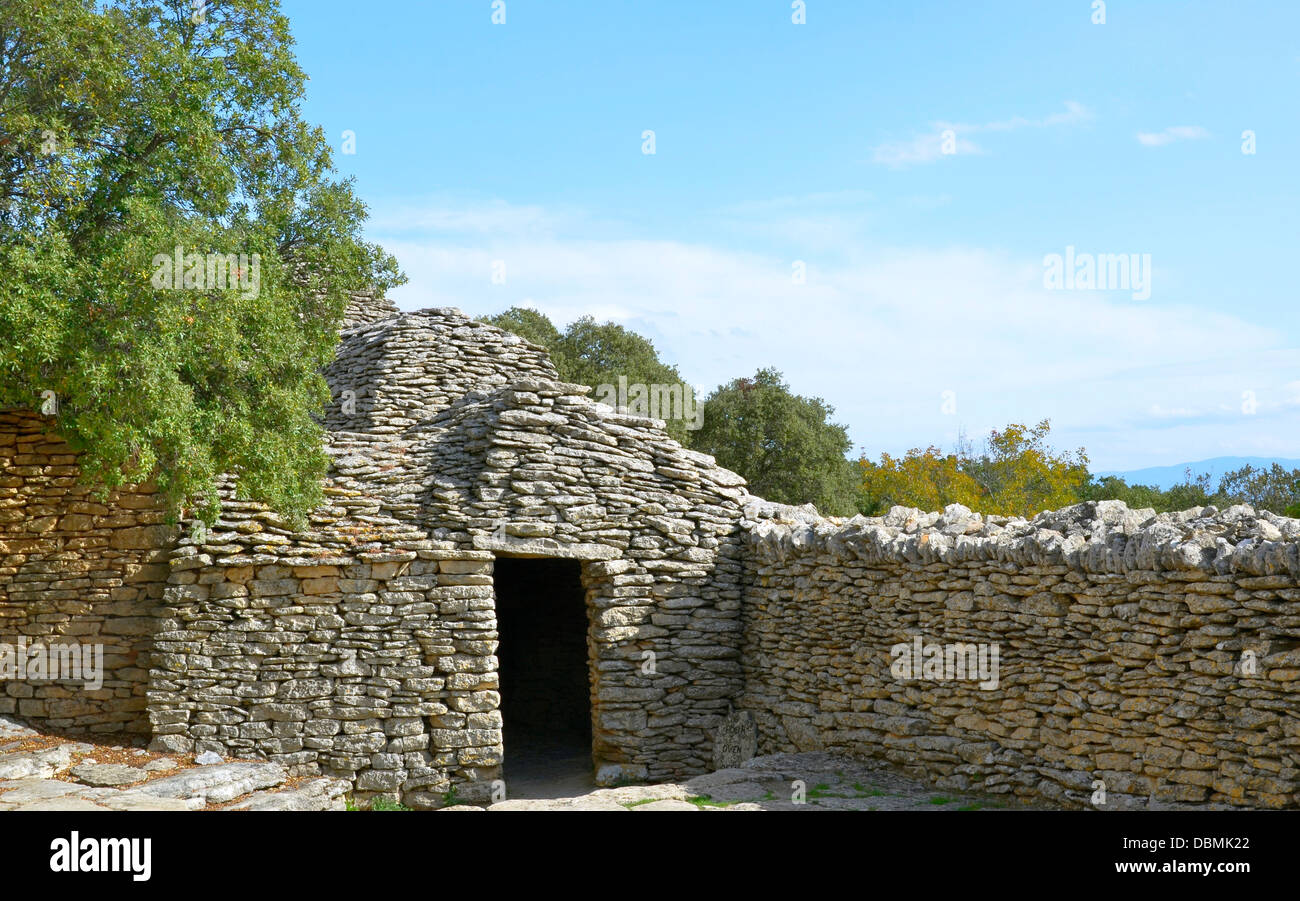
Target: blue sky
[[824, 143]]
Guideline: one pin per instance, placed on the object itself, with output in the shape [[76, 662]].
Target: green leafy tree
[[605, 356], [1274, 489], [134, 131], [1193, 491], [532, 326], [786, 446]]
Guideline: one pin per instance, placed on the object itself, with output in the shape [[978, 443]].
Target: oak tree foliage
[[134, 131], [598, 355], [785, 445]]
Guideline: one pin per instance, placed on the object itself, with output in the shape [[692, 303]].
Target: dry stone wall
[[1157, 657], [75, 571]]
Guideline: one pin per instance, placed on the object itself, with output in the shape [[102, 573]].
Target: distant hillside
[[1165, 477]]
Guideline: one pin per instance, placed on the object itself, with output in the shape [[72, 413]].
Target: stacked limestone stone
[[365, 308], [1127, 644], [75, 569], [364, 646]]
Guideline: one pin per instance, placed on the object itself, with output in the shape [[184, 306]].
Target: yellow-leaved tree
[[1016, 474]]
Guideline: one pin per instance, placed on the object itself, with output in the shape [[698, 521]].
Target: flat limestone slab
[[742, 791], [319, 794], [108, 774], [64, 804], [42, 764], [710, 781], [215, 784], [12, 730], [580, 803], [14, 793], [669, 804], [135, 800], [52, 794], [633, 794]]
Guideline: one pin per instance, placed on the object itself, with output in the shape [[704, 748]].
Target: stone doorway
[[543, 666]]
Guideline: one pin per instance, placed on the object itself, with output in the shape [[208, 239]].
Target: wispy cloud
[[861, 319], [1074, 114], [1171, 134], [454, 216], [1161, 412], [924, 148], [929, 146], [822, 221]]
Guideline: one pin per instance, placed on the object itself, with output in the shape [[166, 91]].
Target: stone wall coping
[[1096, 536]]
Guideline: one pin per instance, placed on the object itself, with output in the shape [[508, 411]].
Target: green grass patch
[[707, 801], [385, 804]]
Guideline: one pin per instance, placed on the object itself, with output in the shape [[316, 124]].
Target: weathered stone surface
[[580, 803], [318, 794], [667, 804], [215, 784], [108, 774], [1131, 648], [735, 741], [40, 764], [52, 794], [613, 774]]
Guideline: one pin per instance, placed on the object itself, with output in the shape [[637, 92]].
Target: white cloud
[[1171, 134], [440, 214], [928, 146], [924, 148], [881, 337], [1160, 412], [1074, 114]]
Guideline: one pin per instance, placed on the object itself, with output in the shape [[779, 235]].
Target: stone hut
[[502, 564], [367, 646]]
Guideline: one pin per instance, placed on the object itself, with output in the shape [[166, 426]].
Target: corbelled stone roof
[[402, 370], [364, 308], [443, 427]]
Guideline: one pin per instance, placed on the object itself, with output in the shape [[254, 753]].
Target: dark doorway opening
[[545, 684]]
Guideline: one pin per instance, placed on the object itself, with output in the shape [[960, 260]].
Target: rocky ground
[[49, 772], [812, 781]]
